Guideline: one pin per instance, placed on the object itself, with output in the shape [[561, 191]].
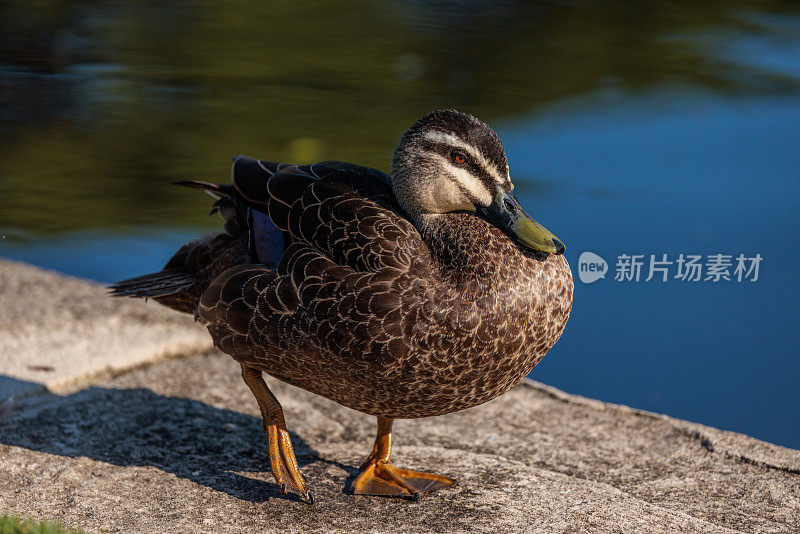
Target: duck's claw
[[284, 464]]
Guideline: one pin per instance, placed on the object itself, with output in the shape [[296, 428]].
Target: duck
[[411, 294]]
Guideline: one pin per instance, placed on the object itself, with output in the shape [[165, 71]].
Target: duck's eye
[[459, 158], [510, 207]]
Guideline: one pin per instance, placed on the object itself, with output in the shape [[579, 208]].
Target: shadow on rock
[[137, 427]]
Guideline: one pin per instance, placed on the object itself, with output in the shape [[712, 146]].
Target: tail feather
[[223, 194], [215, 190], [158, 284], [182, 281]]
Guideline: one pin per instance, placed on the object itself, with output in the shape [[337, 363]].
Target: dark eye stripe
[[479, 171]]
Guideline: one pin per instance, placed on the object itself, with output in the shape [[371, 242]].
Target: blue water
[[669, 173]]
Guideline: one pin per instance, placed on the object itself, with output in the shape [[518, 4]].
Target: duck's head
[[449, 161]]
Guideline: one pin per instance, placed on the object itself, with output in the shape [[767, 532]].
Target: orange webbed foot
[[379, 477], [283, 464]]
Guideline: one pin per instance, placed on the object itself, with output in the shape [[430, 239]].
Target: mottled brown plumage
[[379, 303]]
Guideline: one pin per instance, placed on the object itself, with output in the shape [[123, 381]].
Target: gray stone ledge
[[57, 331]]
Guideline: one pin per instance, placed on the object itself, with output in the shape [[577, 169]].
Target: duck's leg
[[379, 477], [281, 454]]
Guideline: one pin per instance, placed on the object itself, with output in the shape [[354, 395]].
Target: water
[[652, 129]]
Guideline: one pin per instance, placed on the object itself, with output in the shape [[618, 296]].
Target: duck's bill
[[506, 213]]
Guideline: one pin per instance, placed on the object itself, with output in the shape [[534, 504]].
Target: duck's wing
[[250, 175], [344, 283]]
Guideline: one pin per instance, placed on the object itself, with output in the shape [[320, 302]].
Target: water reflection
[[106, 103]]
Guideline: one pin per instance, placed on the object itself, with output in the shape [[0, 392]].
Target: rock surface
[[177, 446], [56, 329]]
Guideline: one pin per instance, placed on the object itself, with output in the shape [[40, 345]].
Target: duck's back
[[249, 237]]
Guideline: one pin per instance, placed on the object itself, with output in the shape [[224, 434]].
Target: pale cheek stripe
[[467, 181]]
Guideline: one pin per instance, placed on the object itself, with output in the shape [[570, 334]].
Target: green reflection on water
[[104, 104]]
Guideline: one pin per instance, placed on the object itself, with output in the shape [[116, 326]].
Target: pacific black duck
[[402, 296]]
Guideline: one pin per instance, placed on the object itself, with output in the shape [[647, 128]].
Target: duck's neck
[[463, 245]]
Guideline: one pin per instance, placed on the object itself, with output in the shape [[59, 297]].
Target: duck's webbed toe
[[382, 478], [379, 477], [283, 464]]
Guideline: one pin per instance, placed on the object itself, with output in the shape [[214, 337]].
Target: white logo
[[591, 267]]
